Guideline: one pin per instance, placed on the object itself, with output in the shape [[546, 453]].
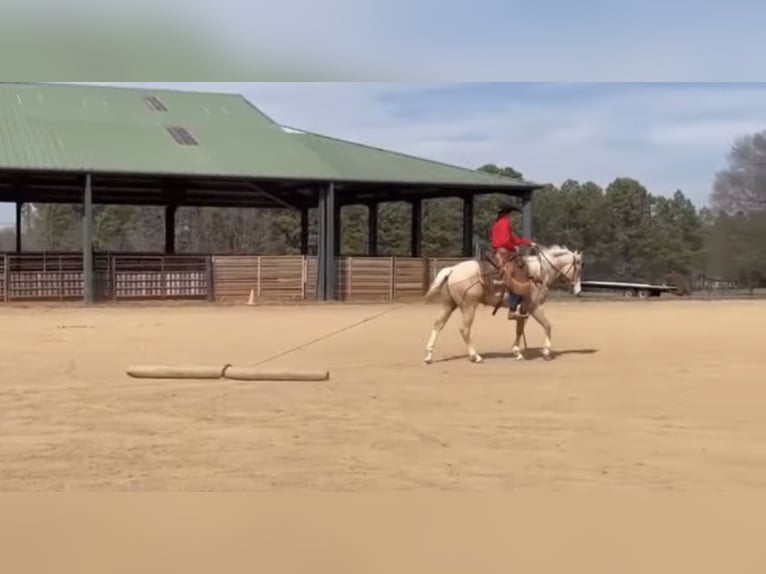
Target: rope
[[323, 337]]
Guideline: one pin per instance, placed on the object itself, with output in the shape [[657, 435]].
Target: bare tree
[[741, 187]]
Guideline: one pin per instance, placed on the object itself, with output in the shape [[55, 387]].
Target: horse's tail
[[438, 282]]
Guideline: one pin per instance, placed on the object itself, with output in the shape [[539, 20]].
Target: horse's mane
[[557, 250], [551, 252]]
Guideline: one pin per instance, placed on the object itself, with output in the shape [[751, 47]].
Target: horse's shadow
[[530, 353]]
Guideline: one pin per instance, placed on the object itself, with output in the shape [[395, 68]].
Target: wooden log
[[179, 372], [260, 374]]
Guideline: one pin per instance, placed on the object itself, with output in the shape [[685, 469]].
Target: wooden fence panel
[[281, 277], [365, 278], [159, 277], [234, 276], [4, 278], [310, 266], [46, 276], [26, 285], [270, 277], [410, 277], [59, 277], [342, 272]]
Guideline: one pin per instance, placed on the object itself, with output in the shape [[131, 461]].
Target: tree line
[[625, 231]]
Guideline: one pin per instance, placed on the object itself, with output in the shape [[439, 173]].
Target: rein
[[540, 253]]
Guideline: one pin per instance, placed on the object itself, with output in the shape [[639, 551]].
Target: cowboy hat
[[503, 209]]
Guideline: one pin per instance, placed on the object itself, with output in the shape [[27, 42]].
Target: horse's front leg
[[516, 349], [540, 317]]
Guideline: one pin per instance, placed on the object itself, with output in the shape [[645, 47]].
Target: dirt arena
[[663, 394]]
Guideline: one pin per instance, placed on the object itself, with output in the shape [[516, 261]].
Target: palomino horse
[[471, 283]]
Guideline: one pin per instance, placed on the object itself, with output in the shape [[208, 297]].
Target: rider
[[505, 244]]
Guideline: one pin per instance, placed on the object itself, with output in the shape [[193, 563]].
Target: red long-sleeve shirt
[[503, 236]]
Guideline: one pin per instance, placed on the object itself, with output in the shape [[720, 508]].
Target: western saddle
[[521, 282]]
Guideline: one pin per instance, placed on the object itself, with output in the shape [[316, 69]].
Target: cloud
[[703, 135]]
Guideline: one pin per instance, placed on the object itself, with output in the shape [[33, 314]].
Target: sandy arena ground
[[647, 395]]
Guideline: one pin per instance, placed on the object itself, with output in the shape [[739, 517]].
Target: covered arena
[[674, 402], [92, 145]]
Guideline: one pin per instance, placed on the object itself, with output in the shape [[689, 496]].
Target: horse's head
[[567, 264], [576, 272]]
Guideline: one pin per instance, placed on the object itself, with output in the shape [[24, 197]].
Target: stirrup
[[517, 314]]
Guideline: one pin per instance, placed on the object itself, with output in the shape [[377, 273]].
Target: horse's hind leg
[[441, 320], [469, 313]]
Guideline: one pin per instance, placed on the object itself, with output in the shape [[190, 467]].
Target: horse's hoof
[[428, 360], [519, 357], [547, 356], [477, 359]]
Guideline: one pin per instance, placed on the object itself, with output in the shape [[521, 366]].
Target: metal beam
[[526, 213], [388, 193], [326, 268], [372, 229], [467, 225], [416, 227], [170, 229], [332, 249], [304, 231], [43, 187], [87, 242], [19, 206], [321, 288], [258, 189], [338, 239]]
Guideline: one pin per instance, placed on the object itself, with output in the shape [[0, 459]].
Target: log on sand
[[224, 372], [259, 374], [179, 372]]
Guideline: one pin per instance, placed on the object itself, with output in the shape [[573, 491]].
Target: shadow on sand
[[532, 353]]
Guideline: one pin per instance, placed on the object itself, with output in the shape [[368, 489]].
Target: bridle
[[565, 274]]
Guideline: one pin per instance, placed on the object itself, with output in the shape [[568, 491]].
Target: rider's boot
[[515, 308]]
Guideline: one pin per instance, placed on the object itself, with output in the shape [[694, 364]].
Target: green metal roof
[[106, 129], [363, 163], [102, 129]]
